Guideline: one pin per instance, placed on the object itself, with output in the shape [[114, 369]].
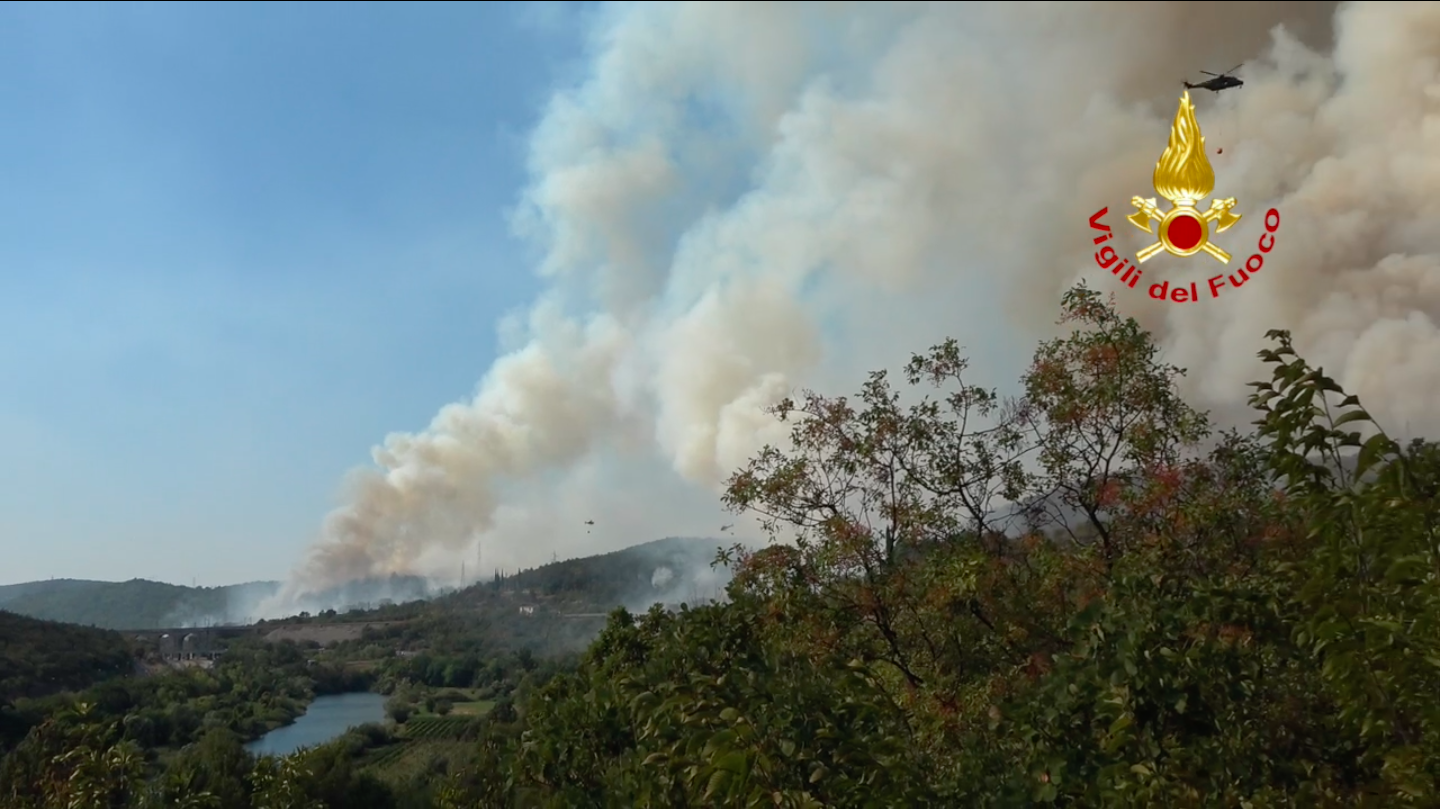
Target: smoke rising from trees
[[741, 199]]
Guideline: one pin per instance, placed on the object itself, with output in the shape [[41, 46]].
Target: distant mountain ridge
[[134, 604], [665, 570]]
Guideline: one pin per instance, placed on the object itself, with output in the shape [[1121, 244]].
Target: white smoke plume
[[740, 199]]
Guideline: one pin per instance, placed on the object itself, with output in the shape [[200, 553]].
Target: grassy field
[[479, 707]]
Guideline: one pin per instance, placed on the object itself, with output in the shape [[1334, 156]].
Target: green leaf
[[1353, 415], [1370, 453], [1124, 721], [717, 781], [720, 741]]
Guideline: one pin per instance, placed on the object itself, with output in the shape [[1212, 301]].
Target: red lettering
[[1108, 259]]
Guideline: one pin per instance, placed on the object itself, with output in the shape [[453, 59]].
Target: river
[[326, 718]]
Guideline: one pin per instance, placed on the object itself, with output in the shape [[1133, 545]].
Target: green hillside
[[550, 610], [38, 657], [134, 604], [666, 570]]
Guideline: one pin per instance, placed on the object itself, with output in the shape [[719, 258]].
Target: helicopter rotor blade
[[1208, 73], [1235, 68]]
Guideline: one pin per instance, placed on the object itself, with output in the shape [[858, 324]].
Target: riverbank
[[326, 718]]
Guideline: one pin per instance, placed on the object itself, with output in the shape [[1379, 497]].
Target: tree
[[398, 710], [280, 783], [1124, 635], [1369, 593], [217, 765], [70, 760]]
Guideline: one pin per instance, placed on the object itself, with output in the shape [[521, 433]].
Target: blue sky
[[240, 243]]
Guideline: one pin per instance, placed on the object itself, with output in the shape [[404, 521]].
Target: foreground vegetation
[[1171, 618]]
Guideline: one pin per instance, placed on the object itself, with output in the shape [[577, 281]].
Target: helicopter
[[1221, 81]]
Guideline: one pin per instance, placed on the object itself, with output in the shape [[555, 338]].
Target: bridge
[[182, 643]]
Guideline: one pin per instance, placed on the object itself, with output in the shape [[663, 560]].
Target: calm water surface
[[326, 718]]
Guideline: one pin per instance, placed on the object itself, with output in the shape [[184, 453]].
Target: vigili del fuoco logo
[[1183, 176]]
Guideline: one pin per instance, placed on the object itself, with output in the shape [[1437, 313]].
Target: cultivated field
[[323, 634]]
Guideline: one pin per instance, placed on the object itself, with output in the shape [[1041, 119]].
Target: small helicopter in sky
[[1220, 81]]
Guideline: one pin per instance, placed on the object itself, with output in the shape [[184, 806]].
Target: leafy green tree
[[218, 765], [1369, 592], [70, 760], [399, 710], [694, 710], [280, 783]]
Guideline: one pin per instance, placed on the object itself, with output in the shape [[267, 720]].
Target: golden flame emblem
[[1183, 175]]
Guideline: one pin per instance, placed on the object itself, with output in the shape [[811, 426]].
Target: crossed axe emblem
[[1219, 212]]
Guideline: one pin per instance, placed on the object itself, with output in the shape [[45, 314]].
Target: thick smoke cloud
[[744, 198]]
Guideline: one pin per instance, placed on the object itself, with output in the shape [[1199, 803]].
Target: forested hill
[[667, 570], [134, 604], [43, 656]]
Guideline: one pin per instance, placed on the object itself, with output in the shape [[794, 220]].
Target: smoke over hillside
[[740, 199]]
